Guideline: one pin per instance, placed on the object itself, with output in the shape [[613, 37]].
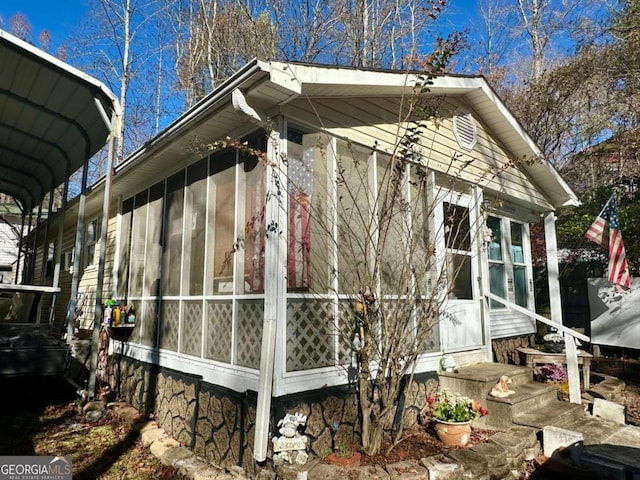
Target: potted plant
[[453, 414], [345, 456]]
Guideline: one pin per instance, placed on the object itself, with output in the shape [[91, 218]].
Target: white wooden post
[[483, 270], [555, 302]]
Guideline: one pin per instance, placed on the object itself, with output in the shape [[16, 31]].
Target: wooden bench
[[533, 357]]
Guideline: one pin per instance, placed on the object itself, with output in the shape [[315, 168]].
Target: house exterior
[[10, 222], [234, 260]]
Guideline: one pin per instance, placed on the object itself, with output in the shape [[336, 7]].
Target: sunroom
[[195, 258]]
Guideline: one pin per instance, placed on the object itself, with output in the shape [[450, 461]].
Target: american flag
[[605, 231]]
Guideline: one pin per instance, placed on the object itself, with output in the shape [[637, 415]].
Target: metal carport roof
[[53, 118]]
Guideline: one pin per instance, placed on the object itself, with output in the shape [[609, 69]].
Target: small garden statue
[[291, 445], [502, 389]]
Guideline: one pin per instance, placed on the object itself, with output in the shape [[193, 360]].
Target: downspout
[[271, 289]]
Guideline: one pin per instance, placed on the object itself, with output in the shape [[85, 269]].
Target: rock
[[611, 411], [441, 468], [407, 471]]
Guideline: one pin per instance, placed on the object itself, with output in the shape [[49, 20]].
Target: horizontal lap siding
[[375, 122], [8, 244], [110, 253], [511, 325]]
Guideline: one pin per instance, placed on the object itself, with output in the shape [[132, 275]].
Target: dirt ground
[[39, 417]]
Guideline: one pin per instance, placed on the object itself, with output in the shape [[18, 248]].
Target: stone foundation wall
[[340, 405], [505, 350], [219, 424]]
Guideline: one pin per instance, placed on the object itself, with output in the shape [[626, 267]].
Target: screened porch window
[[458, 244], [307, 245], [508, 277]]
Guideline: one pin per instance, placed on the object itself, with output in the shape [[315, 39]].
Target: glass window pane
[[154, 241], [195, 229], [496, 283], [222, 206], [459, 269], [254, 226], [456, 227], [517, 250], [171, 254], [138, 237], [355, 211], [520, 285], [423, 251], [307, 256], [495, 245], [392, 222], [125, 247]]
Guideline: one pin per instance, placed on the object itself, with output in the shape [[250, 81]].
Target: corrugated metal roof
[[50, 120]]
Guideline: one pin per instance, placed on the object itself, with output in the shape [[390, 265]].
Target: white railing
[[570, 336]]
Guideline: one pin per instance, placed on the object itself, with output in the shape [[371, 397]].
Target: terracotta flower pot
[[352, 461], [453, 434]]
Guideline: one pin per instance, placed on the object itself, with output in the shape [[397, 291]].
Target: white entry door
[[460, 320]]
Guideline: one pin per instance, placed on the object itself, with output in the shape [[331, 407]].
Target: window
[[457, 233], [520, 293], [51, 250], [90, 241], [172, 247], [355, 207], [194, 236], [307, 245], [126, 216], [254, 227], [508, 277], [221, 223]]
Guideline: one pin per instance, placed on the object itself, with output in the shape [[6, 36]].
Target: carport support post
[[58, 251], [17, 275], [555, 302], [98, 311], [77, 257]]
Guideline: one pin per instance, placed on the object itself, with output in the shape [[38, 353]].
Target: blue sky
[[58, 16], [61, 16]]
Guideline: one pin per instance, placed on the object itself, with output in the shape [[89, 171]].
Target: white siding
[[375, 122]]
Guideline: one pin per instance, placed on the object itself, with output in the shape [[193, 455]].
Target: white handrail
[[540, 318], [570, 346]]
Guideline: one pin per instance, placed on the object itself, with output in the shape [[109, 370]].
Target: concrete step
[[528, 397], [555, 413], [475, 381], [595, 430]]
